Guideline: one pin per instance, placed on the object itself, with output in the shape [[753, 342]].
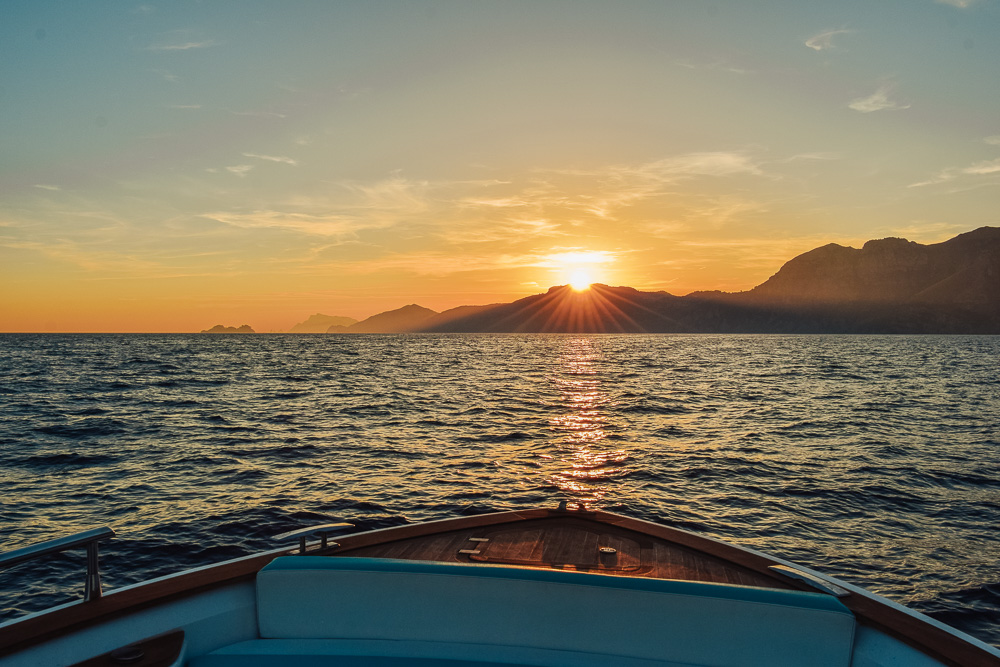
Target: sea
[[875, 459]]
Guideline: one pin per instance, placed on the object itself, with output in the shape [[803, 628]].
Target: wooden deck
[[568, 542]]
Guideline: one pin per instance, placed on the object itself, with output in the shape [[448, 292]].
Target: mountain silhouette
[[888, 286], [893, 270], [600, 309], [407, 318], [320, 323]]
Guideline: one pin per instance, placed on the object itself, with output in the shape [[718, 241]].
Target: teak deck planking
[[569, 543]]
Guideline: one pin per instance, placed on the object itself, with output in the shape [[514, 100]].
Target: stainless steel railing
[[88, 539]]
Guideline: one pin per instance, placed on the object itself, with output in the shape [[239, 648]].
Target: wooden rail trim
[[24, 633]]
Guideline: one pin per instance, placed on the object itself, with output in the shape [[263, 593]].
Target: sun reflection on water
[[582, 432]]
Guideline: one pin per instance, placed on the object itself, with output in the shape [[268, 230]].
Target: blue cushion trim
[[802, 599]]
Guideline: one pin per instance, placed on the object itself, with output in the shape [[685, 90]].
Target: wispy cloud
[[451, 226], [261, 114], [43, 186], [824, 40], [977, 169], [626, 184], [503, 230], [240, 170], [961, 4], [720, 210], [558, 202], [824, 156], [90, 237], [169, 76], [717, 163], [878, 101], [313, 224], [185, 106], [437, 263], [345, 210], [717, 65], [495, 202], [984, 168], [659, 196], [397, 196], [183, 46], [273, 158]]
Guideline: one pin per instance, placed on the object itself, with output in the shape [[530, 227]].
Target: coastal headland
[[890, 286]]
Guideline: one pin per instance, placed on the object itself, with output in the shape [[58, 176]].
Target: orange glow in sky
[[172, 167]]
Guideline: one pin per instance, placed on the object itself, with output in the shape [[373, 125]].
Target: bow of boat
[[530, 587]]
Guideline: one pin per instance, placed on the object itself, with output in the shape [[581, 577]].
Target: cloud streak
[[877, 101], [240, 170], [824, 40], [348, 208], [259, 114], [183, 46], [984, 168], [716, 65], [317, 225], [273, 158]]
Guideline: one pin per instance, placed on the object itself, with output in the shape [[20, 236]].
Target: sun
[[579, 268], [580, 280]]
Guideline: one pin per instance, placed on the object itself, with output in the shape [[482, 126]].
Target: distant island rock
[[219, 329], [320, 323]]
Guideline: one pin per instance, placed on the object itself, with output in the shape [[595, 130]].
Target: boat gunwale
[[929, 636], [937, 640], [32, 629]]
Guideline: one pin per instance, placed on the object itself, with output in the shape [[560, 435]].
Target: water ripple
[[868, 457]]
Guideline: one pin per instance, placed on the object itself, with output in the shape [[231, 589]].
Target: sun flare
[[579, 268], [580, 280]]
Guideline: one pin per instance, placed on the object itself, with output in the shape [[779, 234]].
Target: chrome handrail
[[87, 538]]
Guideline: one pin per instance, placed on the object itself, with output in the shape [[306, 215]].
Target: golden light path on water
[[581, 434]]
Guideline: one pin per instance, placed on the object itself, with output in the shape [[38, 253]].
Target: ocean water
[[871, 458]]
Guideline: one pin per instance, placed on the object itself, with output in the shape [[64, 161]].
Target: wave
[[852, 454]]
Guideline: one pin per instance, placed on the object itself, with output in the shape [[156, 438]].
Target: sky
[[169, 166]]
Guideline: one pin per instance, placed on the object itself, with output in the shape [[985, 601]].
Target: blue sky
[[168, 166]]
